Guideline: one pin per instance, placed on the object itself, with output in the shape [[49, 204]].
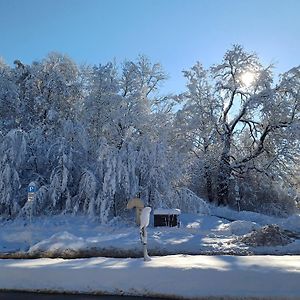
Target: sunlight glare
[[247, 78]]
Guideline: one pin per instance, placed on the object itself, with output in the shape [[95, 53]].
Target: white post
[[145, 217]]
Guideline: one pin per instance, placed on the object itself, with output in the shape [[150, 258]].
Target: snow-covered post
[[31, 196], [145, 217]]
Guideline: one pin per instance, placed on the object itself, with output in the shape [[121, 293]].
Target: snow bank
[[170, 276], [291, 223], [239, 227], [75, 236], [59, 242]]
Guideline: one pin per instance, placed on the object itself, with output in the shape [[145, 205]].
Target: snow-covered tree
[[94, 137], [196, 126], [101, 103], [255, 119], [49, 91], [12, 161], [85, 199], [9, 100]]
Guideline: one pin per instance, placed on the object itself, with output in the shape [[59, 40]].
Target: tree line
[[93, 137]]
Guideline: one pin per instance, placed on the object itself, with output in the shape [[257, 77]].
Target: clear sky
[[175, 33]]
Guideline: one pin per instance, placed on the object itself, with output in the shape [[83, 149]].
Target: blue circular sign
[[31, 189]]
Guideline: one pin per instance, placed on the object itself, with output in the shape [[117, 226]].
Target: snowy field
[[173, 271], [220, 232], [168, 276]]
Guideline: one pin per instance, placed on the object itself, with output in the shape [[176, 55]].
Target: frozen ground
[[168, 276], [220, 232]]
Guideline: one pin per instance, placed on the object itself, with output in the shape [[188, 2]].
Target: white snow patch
[[169, 276], [59, 242], [238, 227], [198, 234], [167, 211]]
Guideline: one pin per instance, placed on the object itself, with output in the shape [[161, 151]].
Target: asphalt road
[[41, 296]]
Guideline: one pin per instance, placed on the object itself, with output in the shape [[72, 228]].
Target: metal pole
[[30, 198], [144, 237]]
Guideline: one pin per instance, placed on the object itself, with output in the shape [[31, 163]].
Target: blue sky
[[176, 33]]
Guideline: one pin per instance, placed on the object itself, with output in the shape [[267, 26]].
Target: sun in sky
[[248, 78]]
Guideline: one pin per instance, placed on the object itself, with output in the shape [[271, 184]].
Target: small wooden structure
[[138, 204], [167, 217]]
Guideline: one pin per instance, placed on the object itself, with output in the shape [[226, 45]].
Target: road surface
[[42, 296]]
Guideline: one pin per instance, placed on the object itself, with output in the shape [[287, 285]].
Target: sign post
[[31, 193], [31, 196]]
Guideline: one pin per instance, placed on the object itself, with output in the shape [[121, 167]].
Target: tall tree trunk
[[115, 206], [224, 172], [208, 180], [223, 183]]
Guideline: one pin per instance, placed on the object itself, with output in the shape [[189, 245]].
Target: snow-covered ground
[[172, 274], [168, 276], [78, 236]]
